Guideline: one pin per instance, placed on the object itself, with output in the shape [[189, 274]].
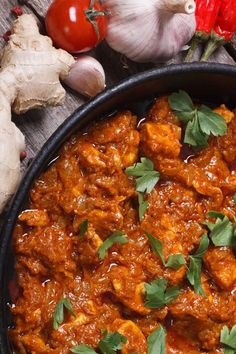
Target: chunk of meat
[[225, 113], [221, 263], [52, 247], [34, 217], [88, 246], [161, 112], [136, 341], [161, 139]]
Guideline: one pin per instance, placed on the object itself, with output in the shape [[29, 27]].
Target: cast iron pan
[[212, 83]]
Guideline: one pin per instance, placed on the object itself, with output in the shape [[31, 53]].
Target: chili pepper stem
[[193, 47], [211, 46]]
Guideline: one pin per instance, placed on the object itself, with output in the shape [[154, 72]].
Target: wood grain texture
[[39, 125]]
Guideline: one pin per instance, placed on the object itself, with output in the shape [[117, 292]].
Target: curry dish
[[56, 259]]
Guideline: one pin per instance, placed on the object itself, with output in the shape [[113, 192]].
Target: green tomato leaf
[[143, 205], [195, 266], [83, 227], [228, 338], [148, 177], [174, 261], [157, 294], [112, 342], [58, 316], [118, 237], [211, 122], [83, 349], [157, 341]]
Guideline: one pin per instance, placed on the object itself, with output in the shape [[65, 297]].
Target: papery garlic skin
[[86, 76], [150, 30]]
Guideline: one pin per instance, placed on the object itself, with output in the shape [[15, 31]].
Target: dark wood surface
[[37, 126]]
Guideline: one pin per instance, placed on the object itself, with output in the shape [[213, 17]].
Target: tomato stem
[[91, 15]]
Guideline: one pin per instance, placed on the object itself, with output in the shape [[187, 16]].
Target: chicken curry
[[128, 242]]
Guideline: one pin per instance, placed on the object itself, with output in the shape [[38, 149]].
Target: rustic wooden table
[[37, 126]]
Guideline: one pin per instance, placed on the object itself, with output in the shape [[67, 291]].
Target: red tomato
[[72, 24]]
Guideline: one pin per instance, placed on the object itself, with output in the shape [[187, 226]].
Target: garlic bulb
[[86, 76], [150, 30]]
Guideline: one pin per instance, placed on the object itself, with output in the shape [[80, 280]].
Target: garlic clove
[[86, 76]]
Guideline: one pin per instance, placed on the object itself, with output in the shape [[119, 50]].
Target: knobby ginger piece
[[31, 69]]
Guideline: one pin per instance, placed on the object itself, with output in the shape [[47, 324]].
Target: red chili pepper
[[224, 28], [6, 36], [206, 13], [17, 11]]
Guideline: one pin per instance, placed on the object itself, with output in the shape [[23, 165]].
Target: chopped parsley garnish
[[157, 341], [110, 344], [146, 181], [201, 122], [195, 266], [148, 177], [83, 227], [228, 339], [118, 237], [83, 349], [174, 261], [223, 231], [58, 316], [143, 205], [158, 295]]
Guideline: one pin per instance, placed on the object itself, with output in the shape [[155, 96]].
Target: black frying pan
[[211, 83]]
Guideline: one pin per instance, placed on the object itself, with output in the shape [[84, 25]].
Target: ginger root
[[31, 69]]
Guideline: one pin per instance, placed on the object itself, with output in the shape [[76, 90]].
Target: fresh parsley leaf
[[195, 266], [234, 198], [112, 342], [228, 338], [193, 134], [222, 233], [211, 122], [157, 341], [83, 227], [158, 295], [143, 205], [174, 261], [83, 349], [182, 104], [201, 122], [148, 177], [58, 316], [118, 237]]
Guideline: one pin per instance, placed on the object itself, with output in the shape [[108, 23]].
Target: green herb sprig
[[83, 227], [223, 231], [118, 237], [58, 316], [110, 344], [174, 261], [195, 266], [228, 339], [158, 295], [157, 341], [201, 122], [146, 181]]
